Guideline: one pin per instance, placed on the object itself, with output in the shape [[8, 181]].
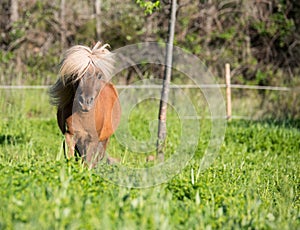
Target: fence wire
[[236, 86]]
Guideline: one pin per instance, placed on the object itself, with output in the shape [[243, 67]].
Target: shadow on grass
[[9, 139], [286, 123], [283, 123]]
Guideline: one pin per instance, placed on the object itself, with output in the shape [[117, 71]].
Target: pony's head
[[80, 73], [88, 89]]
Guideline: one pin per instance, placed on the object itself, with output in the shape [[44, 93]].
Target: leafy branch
[[148, 6]]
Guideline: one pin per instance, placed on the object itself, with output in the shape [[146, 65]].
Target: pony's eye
[[99, 76]]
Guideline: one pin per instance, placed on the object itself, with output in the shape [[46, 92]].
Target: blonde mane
[[76, 62]]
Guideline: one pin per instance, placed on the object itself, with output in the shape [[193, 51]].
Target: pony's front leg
[[95, 153], [71, 145]]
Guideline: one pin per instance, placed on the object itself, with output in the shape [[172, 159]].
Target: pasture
[[253, 183]]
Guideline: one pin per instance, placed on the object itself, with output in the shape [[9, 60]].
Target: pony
[[88, 109]]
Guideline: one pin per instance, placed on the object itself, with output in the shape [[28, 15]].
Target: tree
[[63, 23], [97, 12], [162, 117], [14, 15]]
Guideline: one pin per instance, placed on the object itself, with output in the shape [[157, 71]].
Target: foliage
[[149, 6], [253, 36]]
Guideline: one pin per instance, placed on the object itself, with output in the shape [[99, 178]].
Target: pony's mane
[[76, 62]]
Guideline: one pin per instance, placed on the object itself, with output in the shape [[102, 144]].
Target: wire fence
[[227, 86], [236, 86]]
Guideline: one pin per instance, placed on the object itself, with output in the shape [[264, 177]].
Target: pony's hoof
[[150, 158], [112, 161]]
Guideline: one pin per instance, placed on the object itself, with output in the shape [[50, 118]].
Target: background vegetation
[[260, 39]]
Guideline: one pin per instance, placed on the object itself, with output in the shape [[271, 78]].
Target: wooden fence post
[[228, 91]]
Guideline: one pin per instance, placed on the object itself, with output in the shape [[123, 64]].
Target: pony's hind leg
[[71, 145], [95, 154], [110, 160]]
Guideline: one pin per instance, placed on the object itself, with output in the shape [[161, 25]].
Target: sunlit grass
[[253, 183]]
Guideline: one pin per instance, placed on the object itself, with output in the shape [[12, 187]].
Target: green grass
[[253, 183]]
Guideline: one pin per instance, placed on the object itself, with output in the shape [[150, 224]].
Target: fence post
[[228, 91]]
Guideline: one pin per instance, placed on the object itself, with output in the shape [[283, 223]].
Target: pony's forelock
[[79, 59]]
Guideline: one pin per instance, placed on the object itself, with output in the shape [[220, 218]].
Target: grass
[[253, 183]]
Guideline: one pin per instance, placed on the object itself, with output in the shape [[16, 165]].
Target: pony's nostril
[[90, 101], [80, 99]]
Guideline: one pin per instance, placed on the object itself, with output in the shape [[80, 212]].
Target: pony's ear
[[107, 111]]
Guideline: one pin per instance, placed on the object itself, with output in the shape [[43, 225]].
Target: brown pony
[[88, 109]]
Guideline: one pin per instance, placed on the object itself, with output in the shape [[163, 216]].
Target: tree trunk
[[14, 15], [63, 23], [162, 117], [97, 12]]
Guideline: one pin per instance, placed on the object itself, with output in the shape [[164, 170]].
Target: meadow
[[254, 183]]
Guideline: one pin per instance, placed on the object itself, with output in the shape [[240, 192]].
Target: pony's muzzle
[[86, 104]]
